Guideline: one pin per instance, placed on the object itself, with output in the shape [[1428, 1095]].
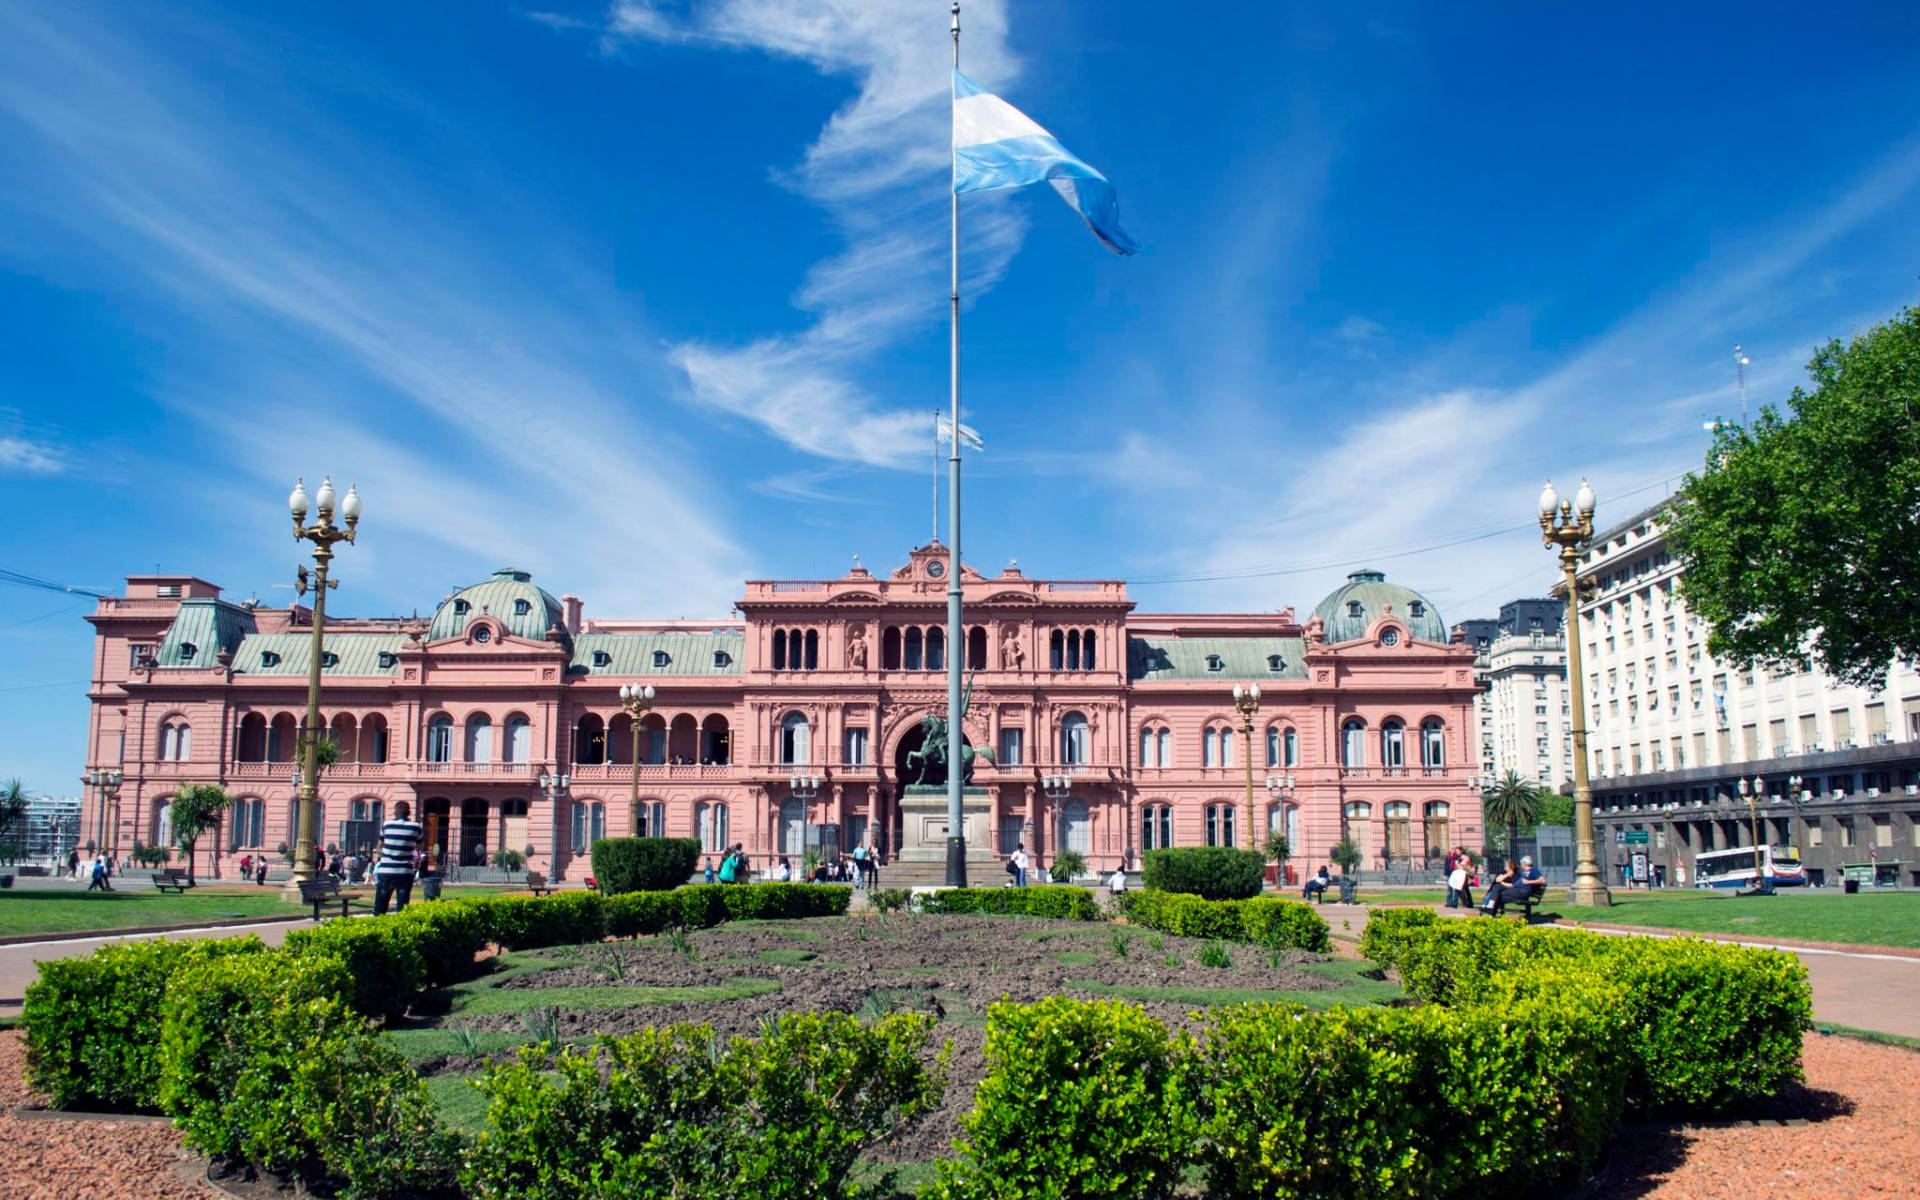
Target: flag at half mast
[[969, 436], [995, 145]]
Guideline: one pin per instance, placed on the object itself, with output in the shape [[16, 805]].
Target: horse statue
[[934, 754]]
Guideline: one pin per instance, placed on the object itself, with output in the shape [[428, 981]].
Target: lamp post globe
[[1567, 526], [324, 534]]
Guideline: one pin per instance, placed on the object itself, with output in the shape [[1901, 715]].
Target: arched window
[[345, 735], [1436, 814], [813, 650], [936, 649], [440, 738], [162, 825], [1226, 746], [795, 738], [1433, 743], [710, 820], [716, 741], [890, 649], [653, 819], [589, 824], [590, 740], [479, 738], [1078, 816], [1209, 748], [793, 827], [1220, 819], [1290, 747], [176, 741], [1359, 816], [1148, 746], [1353, 743], [1399, 847], [247, 823], [1073, 649], [779, 649], [653, 739], [519, 747], [1075, 741], [1393, 745], [373, 739], [1156, 827], [283, 738], [1086, 651], [252, 743], [914, 659], [366, 809], [977, 648], [1166, 747], [1273, 745], [1057, 645]]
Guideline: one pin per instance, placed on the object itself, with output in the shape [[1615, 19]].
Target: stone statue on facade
[[857, 648], [932, 758], [1011, 655]]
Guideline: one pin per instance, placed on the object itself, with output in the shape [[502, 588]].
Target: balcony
[[623, 772], [284, 770]]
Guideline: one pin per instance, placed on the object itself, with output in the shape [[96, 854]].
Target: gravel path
[[1861, 1106]]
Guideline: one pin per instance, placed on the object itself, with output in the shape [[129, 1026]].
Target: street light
[[1754, 789], [636, 699], [554, 788], [1057, 788], [1246, 700], [1280, 789], [1568, 524], [106, 825], [323, 533]]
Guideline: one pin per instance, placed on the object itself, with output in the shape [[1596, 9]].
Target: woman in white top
[[783, 873]]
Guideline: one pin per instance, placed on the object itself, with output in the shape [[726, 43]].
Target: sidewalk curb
[[87, 935], [1906, 952]]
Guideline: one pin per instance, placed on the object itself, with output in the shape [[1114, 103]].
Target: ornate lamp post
[[106, 825], [554, 788], [1560, 526], [1246, 700], [636, 700], [1280, 790], [805, 789], [1057, 787], [1753, 789], [323, 533]]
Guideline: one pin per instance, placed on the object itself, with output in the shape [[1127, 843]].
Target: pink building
[[1364, 726]]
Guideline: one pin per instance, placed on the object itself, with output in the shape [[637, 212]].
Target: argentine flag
[[995, 145]]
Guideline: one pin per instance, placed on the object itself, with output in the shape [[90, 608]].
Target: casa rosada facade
[[1363, 730]]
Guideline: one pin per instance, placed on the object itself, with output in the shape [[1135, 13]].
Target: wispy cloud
[[879, 170], [30, 458]]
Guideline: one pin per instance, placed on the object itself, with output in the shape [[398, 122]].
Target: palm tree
[[13, 820], [1513, 802]]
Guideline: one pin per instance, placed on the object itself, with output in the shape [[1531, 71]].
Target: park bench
[[1349, 890], [321, 891], [1526, 906], [173, 879], [537, 883]]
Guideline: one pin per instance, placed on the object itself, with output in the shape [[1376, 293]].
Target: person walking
[[860, 866], [709, 873], [393, 876], [73, 863], [729, 866], [784, 872], [1018, 862], [97, 876]]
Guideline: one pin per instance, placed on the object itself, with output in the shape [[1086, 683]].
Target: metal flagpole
[[956, 641], [936, 476]]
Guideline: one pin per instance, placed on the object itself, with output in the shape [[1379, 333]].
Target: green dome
[[509, 598], [1364, 598]]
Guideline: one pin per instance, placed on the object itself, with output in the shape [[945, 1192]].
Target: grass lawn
[[134, 904], [1872, 919]]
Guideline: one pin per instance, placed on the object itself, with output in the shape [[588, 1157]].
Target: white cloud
[[30, 457], [879, 170]]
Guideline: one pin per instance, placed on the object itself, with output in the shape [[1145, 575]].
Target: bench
[[173, 879], [1349, 891], [321, 891], [1526, 905], [537, 883]]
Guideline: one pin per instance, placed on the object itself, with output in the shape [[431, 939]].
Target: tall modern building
[[52, 826], [1522, 713], [1676, 731], [805, 713]]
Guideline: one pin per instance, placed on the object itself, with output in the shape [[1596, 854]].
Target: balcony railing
[[620, 772], [284, 770]]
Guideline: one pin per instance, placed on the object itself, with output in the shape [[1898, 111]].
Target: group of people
[[99, 872], [861, 868]]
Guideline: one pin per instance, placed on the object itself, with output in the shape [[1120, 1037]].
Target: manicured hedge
[[644, 864], [449, 934], [93, 1024], [530, 922], [1051, 900], [1701, 1025], [1263, 920], [1211, 872], [382, 957]]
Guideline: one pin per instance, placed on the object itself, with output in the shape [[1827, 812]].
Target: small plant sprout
[[1214, 954], [543, 1024], [1119, 940]]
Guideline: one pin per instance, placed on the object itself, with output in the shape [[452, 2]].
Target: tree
[[196, 809], [1512, 802], [1345, 855], [509, 860], [1556, 808], [1800, 537], [1277, 848], [13, 821]]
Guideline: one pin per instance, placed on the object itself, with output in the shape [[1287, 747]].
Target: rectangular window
[[1809, 731], [1750, 738], [1777, 734], [856, 747], [1010, 747], [136, 652], [1883, 830], [1815, 835], [1876, 722], [1842, 727]]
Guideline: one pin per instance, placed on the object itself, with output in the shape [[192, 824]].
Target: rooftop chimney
[[570, 606]]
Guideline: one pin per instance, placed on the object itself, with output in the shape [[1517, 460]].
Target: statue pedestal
[[923, 825]]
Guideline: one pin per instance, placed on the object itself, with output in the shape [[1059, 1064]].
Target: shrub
[[1081, 1099], [382, 955], [1263, 920], [93, 1024], [783, 901], [1210, 872], [631, 914], [670, 1112], [1067, 864], [1388, 930], [644, 864], [1060, 901], [529, 922], [448, 934], [887, 900]]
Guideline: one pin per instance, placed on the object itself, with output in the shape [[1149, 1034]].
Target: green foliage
[[1345, 855], [1513, 802], [673, 1112], [508, 860], [196, 808], [1277, 848], [448, 934], [1121, 941], [1082, 1099], [889, 900], [1700, 1025], [1066, 865], [1211, 872], [150, 856], [326, 752], [529, 922], [381, 954], [1060, 901], [13, 820], [1214, 954], [1402, 1102], [1263, 920], [644, 864], [1389, 929], [93, 1024], [1793, 534]]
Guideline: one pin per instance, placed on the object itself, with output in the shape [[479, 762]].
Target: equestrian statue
[[932, 757]]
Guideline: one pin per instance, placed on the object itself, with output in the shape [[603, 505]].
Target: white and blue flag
[[995, 145]]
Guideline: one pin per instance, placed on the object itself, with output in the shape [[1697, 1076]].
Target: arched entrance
[[915, 774], [473, 832]]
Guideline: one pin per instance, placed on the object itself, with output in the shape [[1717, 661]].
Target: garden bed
[[736, 976]]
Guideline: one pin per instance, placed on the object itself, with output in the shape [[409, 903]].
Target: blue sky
[[649, 297]]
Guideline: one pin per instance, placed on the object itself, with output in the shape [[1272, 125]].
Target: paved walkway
[[19, 965]]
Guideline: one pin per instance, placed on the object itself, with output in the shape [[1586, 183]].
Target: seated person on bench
[[1517, 885], [1316, 884]]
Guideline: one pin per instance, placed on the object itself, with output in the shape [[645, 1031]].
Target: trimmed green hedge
[[1210, 872], [93, 1024], [382, 957], [1050, 900], [530, 922], [1701, 1025], [1263, 920], [635, 864]]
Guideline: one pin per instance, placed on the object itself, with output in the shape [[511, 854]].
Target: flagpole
[[936, 476], [956, 640]]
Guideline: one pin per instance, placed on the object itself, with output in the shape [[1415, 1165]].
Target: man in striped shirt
[[399, 838]]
